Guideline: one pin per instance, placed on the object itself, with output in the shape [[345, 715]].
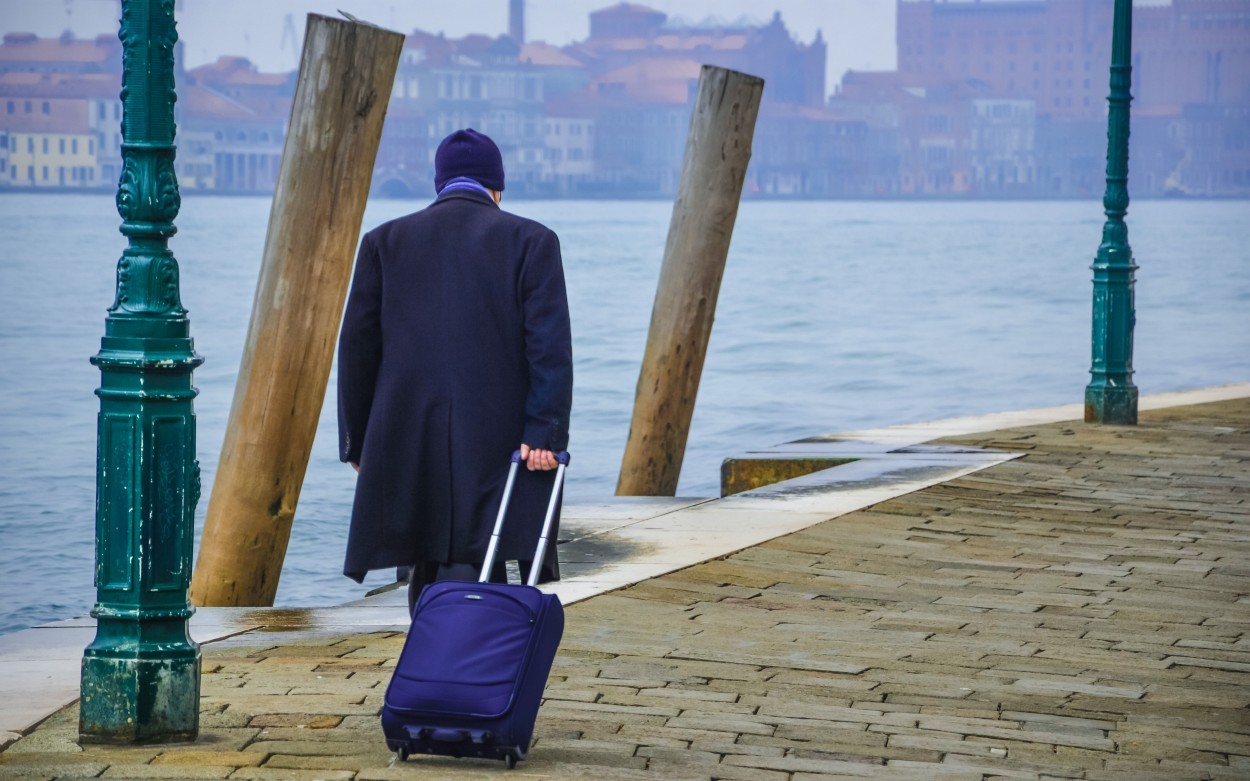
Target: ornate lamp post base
[[1111, 404], [139, 700]]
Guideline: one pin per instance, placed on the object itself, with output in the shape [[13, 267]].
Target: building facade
[[1190, 81], [50, 144], [991, 98]]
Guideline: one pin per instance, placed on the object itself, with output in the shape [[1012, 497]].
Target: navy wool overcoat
[[455, 350]]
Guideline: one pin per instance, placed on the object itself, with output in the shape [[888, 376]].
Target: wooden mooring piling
[[345, 78], [718, 149]]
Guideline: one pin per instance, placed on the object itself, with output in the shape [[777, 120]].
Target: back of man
[[455, 351]]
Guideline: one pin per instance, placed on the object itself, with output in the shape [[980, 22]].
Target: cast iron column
[[141, 675], [1111, 396]]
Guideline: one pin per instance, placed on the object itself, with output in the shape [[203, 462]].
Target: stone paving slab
[[1061, 615]]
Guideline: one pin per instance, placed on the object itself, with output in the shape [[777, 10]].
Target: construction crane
[[291, 38]]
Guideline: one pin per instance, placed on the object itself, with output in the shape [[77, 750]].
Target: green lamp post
[[141, 674], [1111, 396]]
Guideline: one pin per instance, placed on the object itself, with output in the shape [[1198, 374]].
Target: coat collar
[[466, 195]]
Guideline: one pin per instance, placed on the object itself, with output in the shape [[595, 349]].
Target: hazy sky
[[859, 33]]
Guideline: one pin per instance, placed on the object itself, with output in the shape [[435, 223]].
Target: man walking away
[[455, 351]]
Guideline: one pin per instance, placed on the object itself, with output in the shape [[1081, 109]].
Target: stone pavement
[[1080, 612]]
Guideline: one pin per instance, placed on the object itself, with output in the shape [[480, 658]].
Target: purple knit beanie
[[468, 153]]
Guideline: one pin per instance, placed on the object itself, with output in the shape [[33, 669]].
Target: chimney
[[516, 21]]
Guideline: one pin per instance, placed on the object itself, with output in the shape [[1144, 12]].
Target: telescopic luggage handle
[[562, 459]]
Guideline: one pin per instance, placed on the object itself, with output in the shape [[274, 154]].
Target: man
[[455, 352]]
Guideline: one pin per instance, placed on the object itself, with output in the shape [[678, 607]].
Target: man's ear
[[497, 195]]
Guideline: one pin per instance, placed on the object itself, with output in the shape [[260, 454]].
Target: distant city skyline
[[859, 33]]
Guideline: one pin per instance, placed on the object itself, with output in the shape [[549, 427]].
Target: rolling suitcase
[[472, 671]]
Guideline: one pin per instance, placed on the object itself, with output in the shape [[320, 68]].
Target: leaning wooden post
[[345, 79], [718, 149]]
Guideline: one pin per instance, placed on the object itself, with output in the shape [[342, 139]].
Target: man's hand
[[538, 460], [356, 466]]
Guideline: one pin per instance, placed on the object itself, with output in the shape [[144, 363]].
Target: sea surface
[[832, 316]]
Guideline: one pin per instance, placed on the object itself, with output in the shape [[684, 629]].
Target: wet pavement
[[1056, 601]]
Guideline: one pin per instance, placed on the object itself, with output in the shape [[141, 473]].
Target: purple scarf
[[465, 183]]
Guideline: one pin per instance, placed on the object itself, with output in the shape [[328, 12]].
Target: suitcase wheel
[[509, 759], [402, 753]]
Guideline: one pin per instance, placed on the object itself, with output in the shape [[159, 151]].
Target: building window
[[102, 112], [73, 146], [12, 107], [61, 146], [30, 146], [45, 149], [28, 107], [47, 107], [91, 146], [45, 173]]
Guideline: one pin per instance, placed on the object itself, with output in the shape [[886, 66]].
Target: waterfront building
[[642, 116], [27, 53], [443, 84], [1191, 83], [628, 33], [568, 147], [642, 75], [561, 74], [989, 99], [61, 92], [1214, 141], [104, 118], [1003, 147], [928, 122], [233, 126], [805, 151], [50, 143]]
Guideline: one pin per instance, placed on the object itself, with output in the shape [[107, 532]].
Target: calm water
[[832, 316]]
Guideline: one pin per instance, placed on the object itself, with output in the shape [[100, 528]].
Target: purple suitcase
[[472, 672]]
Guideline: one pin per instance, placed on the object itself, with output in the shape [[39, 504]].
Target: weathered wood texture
[[718, 149], [345, 79]]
